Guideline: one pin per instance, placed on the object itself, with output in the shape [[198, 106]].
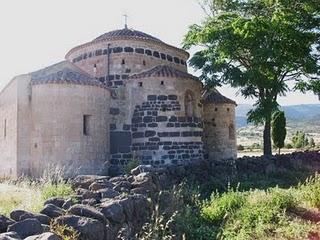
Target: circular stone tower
[[219, 136]]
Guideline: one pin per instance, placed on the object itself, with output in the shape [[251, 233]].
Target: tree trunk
[[267, 150]]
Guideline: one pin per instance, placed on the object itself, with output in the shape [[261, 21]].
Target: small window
[[148, 52], [163, 56], [156, 54], [117, 50], [228, 109], [139, 50], [140, 84], [216, 109], [5, 128], [162, 83], [123, 62], [144, 62], [169, 58], [86, 125], [176, 60], [128, 49]]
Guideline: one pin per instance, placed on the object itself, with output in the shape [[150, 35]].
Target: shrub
[[240, 147], [131, 165], [64, 232], [222, 204], [310, 191], [59, 189]]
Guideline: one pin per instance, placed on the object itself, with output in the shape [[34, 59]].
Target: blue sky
[[38, 33]]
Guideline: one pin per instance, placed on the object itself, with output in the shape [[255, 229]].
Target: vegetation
[[29, 194], [64, 232], [133, 163], [279, 131], [243, 206], [258, 46]]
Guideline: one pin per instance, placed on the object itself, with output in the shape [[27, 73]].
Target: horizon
[[36, 38]]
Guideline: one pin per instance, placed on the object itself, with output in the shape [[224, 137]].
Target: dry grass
[[20, 196]]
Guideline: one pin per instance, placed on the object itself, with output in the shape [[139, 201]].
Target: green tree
[[279, 131], [257, 46], [299, 140]]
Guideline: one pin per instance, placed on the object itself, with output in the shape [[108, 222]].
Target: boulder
[[141, 169], [117, 179], [26, 227], [113, 211], [52, 211], [55, 201], [10, 236], [100, 185], [43, 219], [108, 193], [68, 203], [16, 214], [120, 186], [44, 236], [87, 211], [90, 202], [84, 181], [4, 223], [89, 229]]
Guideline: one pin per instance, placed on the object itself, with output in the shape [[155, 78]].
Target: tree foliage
[[258, 46], [279, 131]]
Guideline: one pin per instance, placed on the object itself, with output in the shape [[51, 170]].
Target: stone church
[[125, 95]]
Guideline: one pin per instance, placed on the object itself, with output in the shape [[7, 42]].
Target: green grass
[[30, 195]]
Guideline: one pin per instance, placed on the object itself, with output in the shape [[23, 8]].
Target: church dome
[[125, 33]]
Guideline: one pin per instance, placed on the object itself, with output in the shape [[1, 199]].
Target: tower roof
[[126, 33], [163, 71], [213, 96], [63, 73]]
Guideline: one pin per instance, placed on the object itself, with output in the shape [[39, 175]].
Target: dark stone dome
[[126, 33]]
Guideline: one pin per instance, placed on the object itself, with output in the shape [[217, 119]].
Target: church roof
[[163, 71], [127, 33], [64, 73], [213, 96]]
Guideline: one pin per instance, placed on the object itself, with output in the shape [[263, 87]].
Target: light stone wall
[[58, 139], [8, 130], [133, 61], [219, 131]]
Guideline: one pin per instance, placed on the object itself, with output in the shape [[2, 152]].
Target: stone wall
[[59, 135], [162, 132], [126, 57], [219, 131], [8, 130]]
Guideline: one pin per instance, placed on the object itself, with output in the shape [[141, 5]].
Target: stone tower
[[219, 136]]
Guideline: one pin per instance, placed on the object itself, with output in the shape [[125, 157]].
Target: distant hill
[[303, 113]]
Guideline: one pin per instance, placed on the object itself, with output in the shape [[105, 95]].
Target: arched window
[[189, 103]]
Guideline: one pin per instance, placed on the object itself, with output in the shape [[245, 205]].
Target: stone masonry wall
[[59, 137], [8, 130], [219, 131]]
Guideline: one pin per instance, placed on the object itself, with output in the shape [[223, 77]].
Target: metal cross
[[125, 21]]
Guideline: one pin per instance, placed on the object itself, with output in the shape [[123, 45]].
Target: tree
[[279, 131], [257, 46], [299, 140]]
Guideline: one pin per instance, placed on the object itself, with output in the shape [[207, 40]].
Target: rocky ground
[[107, 208]]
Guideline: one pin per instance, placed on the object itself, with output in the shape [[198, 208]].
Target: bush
[[131, 165], [240, 147], [311, 191], [220, 206], [64, 232], [59, 189]]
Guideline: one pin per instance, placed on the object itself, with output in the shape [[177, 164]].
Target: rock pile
[[103, 209]]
